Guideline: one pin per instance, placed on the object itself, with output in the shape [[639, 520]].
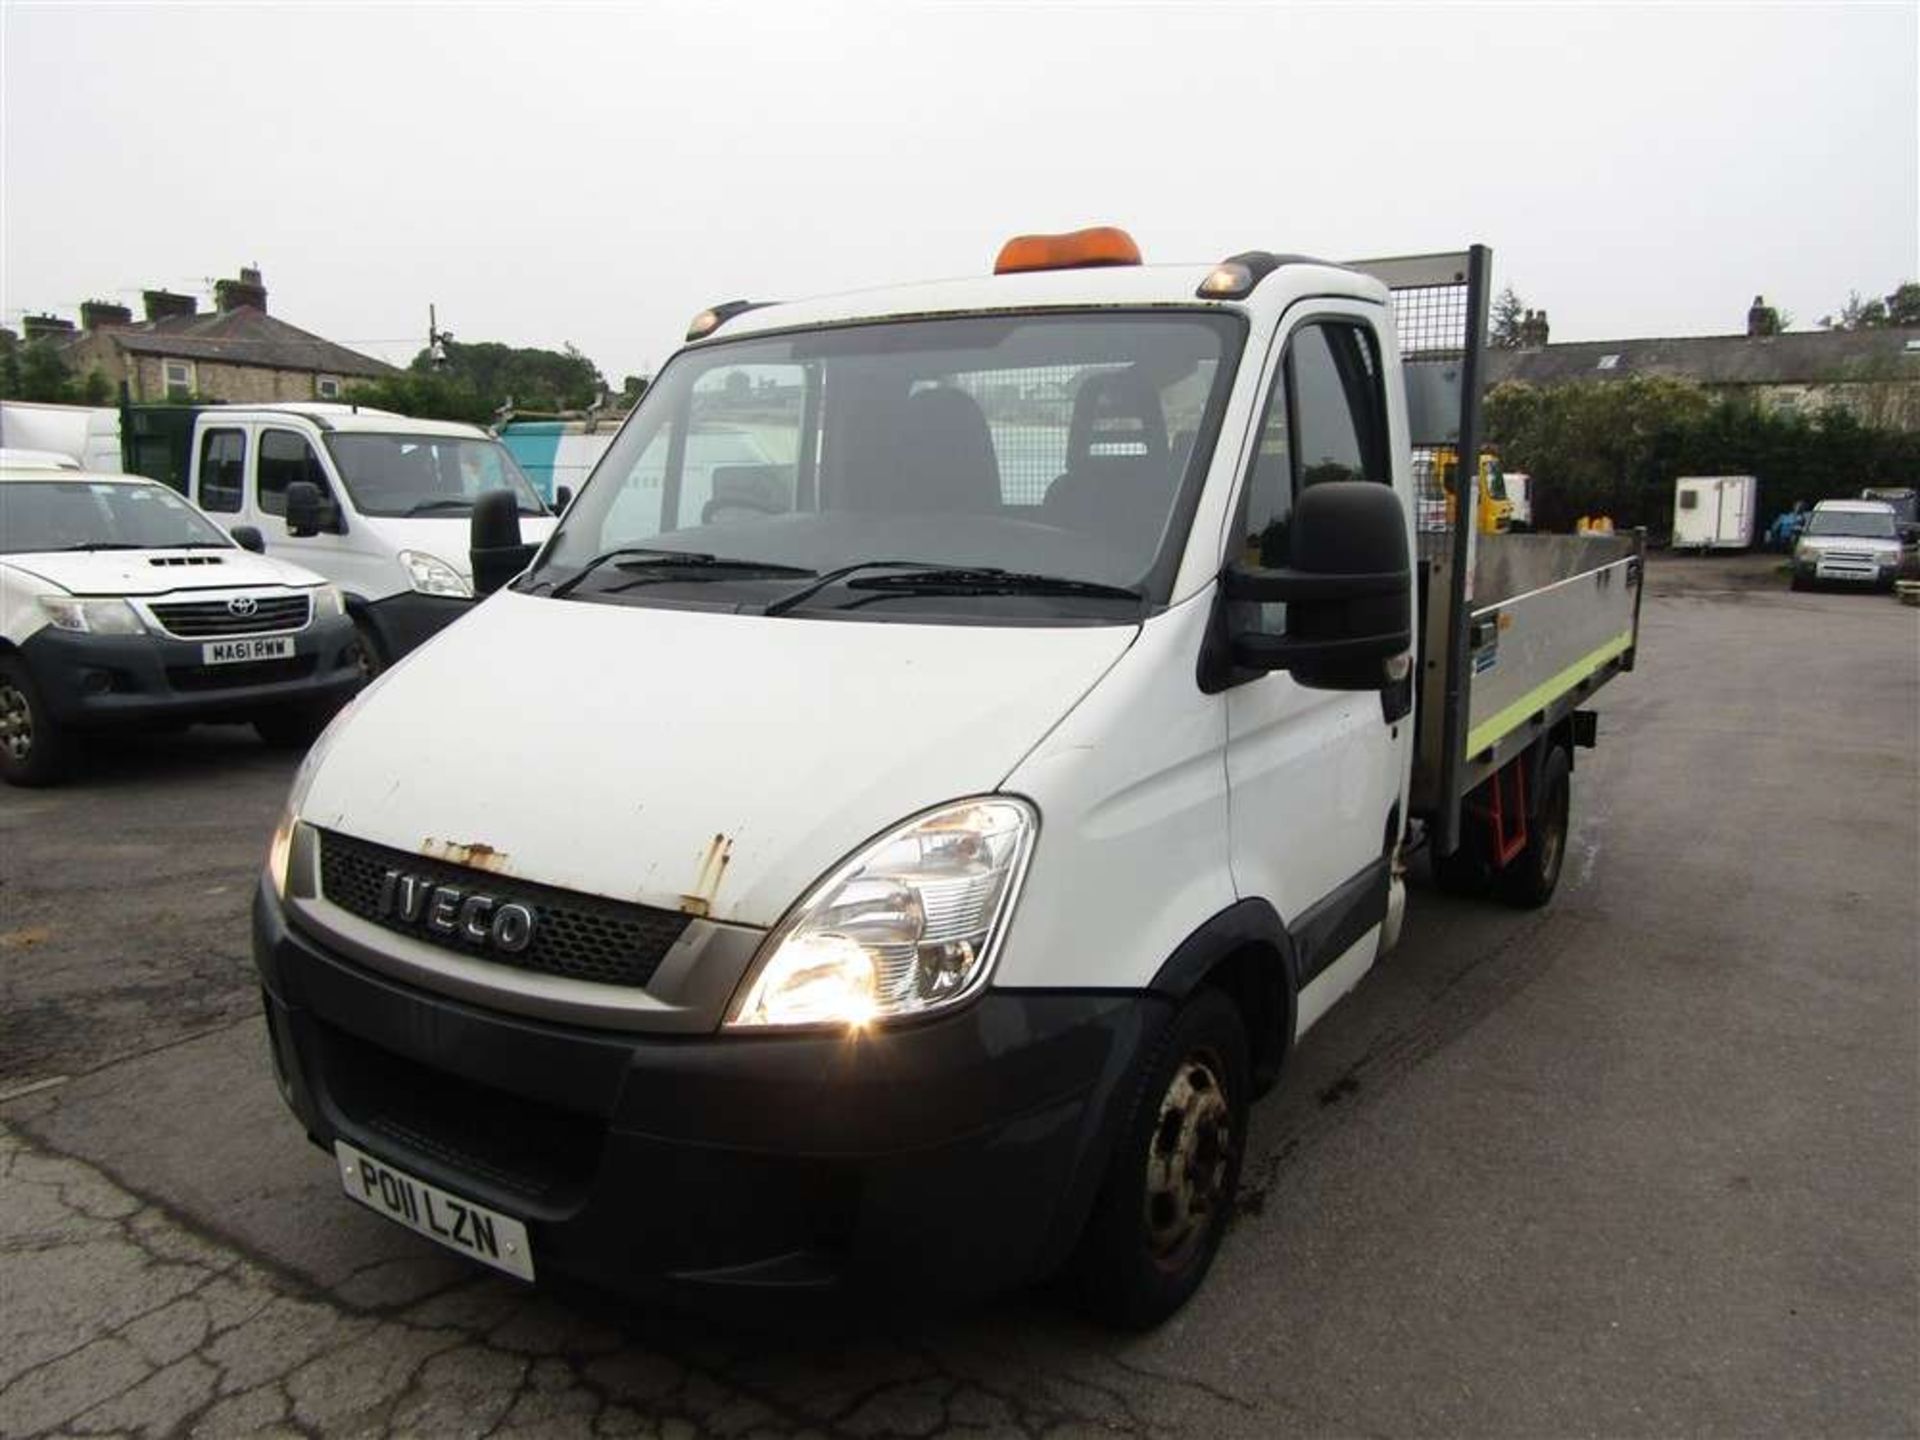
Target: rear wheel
[[33, 749], [1528, 880], [1170, 1185]]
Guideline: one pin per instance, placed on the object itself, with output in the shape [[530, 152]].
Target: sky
[[595, 174]]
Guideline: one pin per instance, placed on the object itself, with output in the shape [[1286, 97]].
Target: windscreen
[[1048, 443], [1863, 524], [99, 515], [412, 475]]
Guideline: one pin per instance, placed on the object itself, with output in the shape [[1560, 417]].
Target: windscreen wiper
[[442, 502], [104, 545], [990, 580], [821, 582], [636, 557]]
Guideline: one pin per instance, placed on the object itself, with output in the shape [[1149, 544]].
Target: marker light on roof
[[1230, 280], [1079, 249]]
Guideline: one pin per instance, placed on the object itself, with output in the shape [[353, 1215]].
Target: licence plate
[[485, 1235], [231, 652]]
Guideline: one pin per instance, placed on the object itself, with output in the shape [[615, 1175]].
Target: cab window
[[1325, 419], [284, 458], [223, 468]]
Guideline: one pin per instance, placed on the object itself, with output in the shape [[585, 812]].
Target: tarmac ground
[[1645, 1162]]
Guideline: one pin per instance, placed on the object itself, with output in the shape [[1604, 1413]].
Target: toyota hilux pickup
[[121, 604], [905, 874]]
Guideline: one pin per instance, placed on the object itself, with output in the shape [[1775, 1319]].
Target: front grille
[[583, 937], [209, 619], [246, 672]]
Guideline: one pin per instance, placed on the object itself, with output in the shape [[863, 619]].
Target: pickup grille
[[215, 619], [583, 937]]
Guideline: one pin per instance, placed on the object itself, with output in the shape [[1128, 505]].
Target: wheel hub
[[1188, 1159], [16, 722]]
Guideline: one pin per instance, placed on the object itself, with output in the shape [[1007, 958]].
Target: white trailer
[[1714, 512]]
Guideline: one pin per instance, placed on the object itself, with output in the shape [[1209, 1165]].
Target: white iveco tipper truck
[[900, 857]]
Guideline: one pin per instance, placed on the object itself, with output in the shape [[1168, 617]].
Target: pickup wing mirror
[[1348, 593], [562, 497], [495, 549], [248, 537], [309, 512]]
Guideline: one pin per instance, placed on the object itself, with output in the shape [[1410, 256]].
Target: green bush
[[1616, 447]]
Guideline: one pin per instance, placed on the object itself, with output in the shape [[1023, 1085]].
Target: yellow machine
[[1495, 510]]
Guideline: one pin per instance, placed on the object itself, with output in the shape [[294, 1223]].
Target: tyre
[[33, 749], [294, 727], [1528, 880], [1169, 1189], [372, 659]]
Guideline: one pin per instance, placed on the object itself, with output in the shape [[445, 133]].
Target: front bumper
[[100, 680], [404, 622], [957, 1156], [1856, 568]]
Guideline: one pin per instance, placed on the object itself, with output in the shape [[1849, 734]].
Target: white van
[[899, 858], [121, 605], [385, 518]]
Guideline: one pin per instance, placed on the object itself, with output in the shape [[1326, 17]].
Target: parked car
[[121, 603], [1905, 501], [1854, 542]]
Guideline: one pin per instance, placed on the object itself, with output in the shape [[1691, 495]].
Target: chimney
[[1762, 318], [165, 305], [104, 315], [1540, 328], [246, 291], [45, 327]]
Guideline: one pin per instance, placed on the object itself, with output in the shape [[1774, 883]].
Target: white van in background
[[376, 502]]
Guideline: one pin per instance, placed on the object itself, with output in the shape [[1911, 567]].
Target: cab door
[[1315, 777], [283, 455]]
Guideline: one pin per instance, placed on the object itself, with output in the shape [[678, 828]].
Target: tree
[[36, 370], [1902, 307], [1509, 314], [529, 378], [424, 397]]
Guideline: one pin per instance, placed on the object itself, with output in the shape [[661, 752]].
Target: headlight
[[328, 603], [280, 847], [92, 617], [431, 575], [909, 925]]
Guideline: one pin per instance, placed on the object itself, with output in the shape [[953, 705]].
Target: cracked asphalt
[[1643, 1163]]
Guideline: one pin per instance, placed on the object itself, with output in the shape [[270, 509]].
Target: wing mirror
[[308, 512], [248, 537], [495, 549], [1348, 593]]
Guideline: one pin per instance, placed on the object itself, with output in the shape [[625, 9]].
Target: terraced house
[[236, 352]]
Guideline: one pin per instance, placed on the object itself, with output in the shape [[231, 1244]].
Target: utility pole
[[436, 340]]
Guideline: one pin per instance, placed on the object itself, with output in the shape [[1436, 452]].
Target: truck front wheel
[[1170, 1186], [1528, 880]]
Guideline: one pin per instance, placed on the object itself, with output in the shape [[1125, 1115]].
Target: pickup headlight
[[328, 603], [908, 925], [92, 617], [431, 575]]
